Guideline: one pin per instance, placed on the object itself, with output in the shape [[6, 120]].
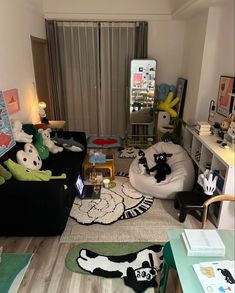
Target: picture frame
[[225, 97], [7, 140], [181, 89], [12, 100]]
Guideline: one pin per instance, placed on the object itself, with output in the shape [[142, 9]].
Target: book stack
[[203, 128], [204, 242]]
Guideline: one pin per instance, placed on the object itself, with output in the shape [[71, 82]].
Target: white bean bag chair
[[181, 177]]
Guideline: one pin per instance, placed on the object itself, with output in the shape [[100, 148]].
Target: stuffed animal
[[18, 132], [21, 173], [29, 158], [42, 149], [162, 168], [53, 148], [70, 144], [143, 164], [168, 104], [4, 175]]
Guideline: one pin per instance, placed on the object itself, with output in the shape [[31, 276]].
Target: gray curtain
[[57, 102], [90, 64], [117, 43]]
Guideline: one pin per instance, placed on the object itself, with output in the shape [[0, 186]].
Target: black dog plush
[[143, 164], [161, 166]]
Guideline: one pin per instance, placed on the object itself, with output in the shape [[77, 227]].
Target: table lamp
[[42, 113]]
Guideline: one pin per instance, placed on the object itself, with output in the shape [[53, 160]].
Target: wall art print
[[12, 101], [6, 136], [225, 99]]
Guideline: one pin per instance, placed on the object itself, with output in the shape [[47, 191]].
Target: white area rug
[[150, 226], [118, 203]]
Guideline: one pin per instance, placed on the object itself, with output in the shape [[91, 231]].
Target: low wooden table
[[107, 168]]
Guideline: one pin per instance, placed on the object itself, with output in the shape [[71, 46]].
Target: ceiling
[[181, 8]]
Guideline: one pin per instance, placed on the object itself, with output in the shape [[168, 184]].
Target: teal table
[[184, 264]]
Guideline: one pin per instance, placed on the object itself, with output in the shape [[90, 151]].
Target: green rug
[[12, 269], [137, 263], [104, 248]]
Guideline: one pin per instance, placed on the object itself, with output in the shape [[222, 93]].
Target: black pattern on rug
[[138, 269], [119, 203]]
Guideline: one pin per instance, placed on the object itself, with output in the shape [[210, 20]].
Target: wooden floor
[[47, 272]]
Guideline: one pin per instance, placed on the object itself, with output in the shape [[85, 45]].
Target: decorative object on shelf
[[212, 113], [208, 181], [42, 113], [12, 101], [225, 98], [230, 136]]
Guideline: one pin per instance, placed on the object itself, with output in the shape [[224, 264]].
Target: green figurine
[[21, 173]]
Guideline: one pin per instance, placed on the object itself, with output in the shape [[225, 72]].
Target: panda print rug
[[138, 264], [118, 203]]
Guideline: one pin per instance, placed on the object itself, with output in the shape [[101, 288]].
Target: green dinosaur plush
[[42, 149], [4, 175], [21, 173]]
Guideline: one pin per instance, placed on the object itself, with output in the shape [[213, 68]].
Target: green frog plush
[[21, 173], [4, 175]]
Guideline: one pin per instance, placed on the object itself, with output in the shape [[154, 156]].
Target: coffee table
[[107, 168]]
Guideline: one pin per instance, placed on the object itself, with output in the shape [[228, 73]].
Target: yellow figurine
[[168, 104]]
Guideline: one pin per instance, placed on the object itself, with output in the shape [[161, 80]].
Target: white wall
[[218, 58], [165, 41], [18, 20], [192, 61], [208, 54]]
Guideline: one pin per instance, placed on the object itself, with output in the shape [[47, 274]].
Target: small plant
[[175, 136]]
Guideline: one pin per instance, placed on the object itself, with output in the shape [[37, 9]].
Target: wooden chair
[[223, 197]]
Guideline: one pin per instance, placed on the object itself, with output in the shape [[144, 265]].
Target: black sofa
[[41, 208]]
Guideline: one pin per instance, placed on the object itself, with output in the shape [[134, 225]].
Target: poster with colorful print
[[6, 136], [12, 101]]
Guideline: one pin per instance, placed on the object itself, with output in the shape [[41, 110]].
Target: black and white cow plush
[[143, 164], [139, 269]]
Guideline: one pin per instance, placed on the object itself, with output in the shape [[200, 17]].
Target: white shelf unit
[[204, 151]]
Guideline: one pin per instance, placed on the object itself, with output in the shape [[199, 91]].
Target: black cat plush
[[162, 168]]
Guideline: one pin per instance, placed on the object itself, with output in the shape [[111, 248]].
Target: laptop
[[86, 191]]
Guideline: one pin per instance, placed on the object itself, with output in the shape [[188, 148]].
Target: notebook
[[86, 191]]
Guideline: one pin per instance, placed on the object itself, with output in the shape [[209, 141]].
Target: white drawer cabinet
[[205, 151]]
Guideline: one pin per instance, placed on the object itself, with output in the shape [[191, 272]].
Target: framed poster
[[181, 93], [6, 136], [225, 95], [12, 101]]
